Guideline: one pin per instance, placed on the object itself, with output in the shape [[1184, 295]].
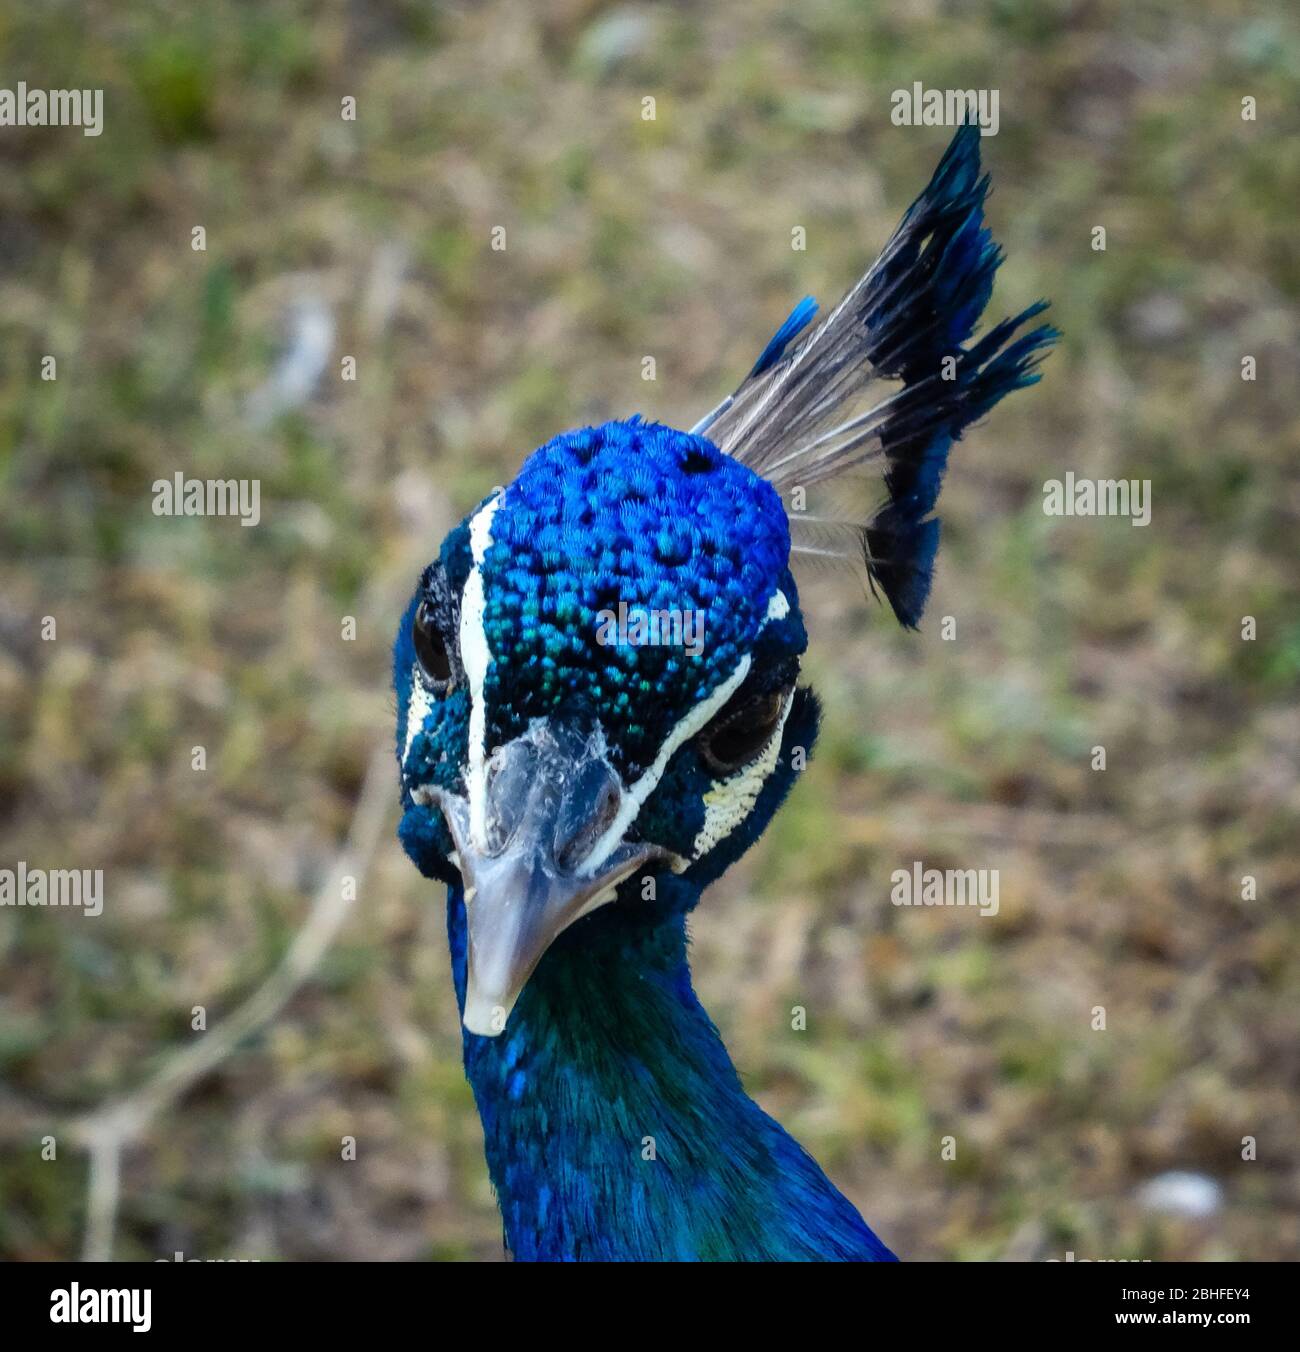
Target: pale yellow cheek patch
[[729, 801]]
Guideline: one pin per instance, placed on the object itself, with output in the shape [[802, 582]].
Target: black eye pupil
[[430, 646], [738, 737]]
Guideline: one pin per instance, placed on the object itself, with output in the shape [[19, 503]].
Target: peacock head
[[597, 689], [597, 677]]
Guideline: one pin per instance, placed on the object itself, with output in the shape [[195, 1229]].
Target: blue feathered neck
[[615, 1124]]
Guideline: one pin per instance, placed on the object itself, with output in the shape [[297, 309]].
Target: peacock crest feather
[[898, 344]]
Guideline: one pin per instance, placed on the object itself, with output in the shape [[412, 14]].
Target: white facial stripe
[[729, 801], [635, 797], [777, 608], [418, 709], [475, 657]]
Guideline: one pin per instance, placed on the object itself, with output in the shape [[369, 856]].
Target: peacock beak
[[545, 850]]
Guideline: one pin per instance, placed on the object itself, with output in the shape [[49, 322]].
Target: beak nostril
[[497, 837], [611, 800], [575, 844], [509, 782]]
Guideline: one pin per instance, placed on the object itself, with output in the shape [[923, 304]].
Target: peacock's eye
[[431, 648], [738, 734]]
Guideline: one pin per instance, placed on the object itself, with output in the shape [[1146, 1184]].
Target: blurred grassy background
[[668, 238]]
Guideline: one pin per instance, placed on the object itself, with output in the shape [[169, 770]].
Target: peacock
[[576, 785]]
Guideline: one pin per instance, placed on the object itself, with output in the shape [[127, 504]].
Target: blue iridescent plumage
[[577, 788], [799, 318]]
